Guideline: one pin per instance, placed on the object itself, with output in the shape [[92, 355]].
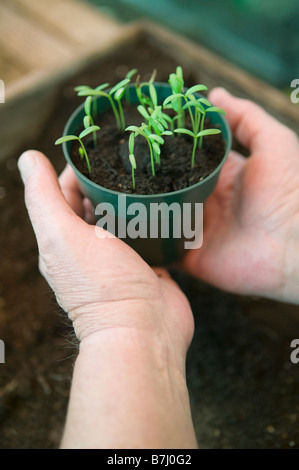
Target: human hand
[[134, 324], [251, 221], [100, 282]]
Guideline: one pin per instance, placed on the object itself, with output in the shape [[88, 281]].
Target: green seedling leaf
[[133, 129], [208, 132], [155, 126], [102, 87], [156, 112], [66, 138], [91, 92], [87, 105], [184, 131], [204, 101], [88, 131], [153, 76], [119, 85], [179, 72], [119, 94], [160, 127], [216, 110], [167, 133], [192, 97], [194, 104], [131, 143], [86, 121], [132, 160], [164, 122], [156, 148], [81, 87], [176, 83], [143, 111], [195, 89], [157, 138], [131, 73], [153, 94], [171, 98]]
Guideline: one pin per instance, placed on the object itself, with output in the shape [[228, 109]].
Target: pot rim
[[228, 144]]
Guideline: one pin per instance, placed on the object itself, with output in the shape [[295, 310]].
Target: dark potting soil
[[111, 168]]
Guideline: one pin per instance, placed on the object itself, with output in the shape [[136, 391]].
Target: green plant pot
[[156, 251]]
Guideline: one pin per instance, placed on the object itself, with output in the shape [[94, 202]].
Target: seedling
[[145, 132], [158, 122], [84, 90], [132, 158], [152, 131], [116, 93], [88, 119], [171, 103], [210, 109], [82, 149], [195, 138], [176, 81], [146, 100], [201, 107]]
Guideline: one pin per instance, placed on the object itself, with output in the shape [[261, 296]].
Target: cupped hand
[[98, 280], [251, 221]]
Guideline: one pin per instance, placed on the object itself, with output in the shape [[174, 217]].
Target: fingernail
[[27, 164]]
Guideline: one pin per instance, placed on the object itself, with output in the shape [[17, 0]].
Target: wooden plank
[[72, 20], [33, 95], [10, 70], [28, 41], [41, 44], [48, 36], [42, 79]]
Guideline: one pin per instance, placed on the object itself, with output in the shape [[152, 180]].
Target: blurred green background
[[261, 36]]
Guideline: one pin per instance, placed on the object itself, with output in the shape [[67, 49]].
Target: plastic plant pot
[[162, 250]]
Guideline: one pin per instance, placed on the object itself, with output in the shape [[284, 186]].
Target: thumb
[[50, 214]]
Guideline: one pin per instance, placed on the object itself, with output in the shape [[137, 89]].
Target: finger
[[52, 217], [89, 212], [230, 173], [251, 124], [71, 191]]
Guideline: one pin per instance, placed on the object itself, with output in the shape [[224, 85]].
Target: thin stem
[[122, 116], [133, 178], [193, 152], [192, 120], [197, 122], [85, 155], [201, 129], [94, 134], [152, 157], [181, 120], [118, 123]]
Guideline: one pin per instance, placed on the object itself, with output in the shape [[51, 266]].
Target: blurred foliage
[[261, 36]]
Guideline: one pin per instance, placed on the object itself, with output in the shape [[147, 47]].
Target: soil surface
[[243, 387], [111, 168]]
